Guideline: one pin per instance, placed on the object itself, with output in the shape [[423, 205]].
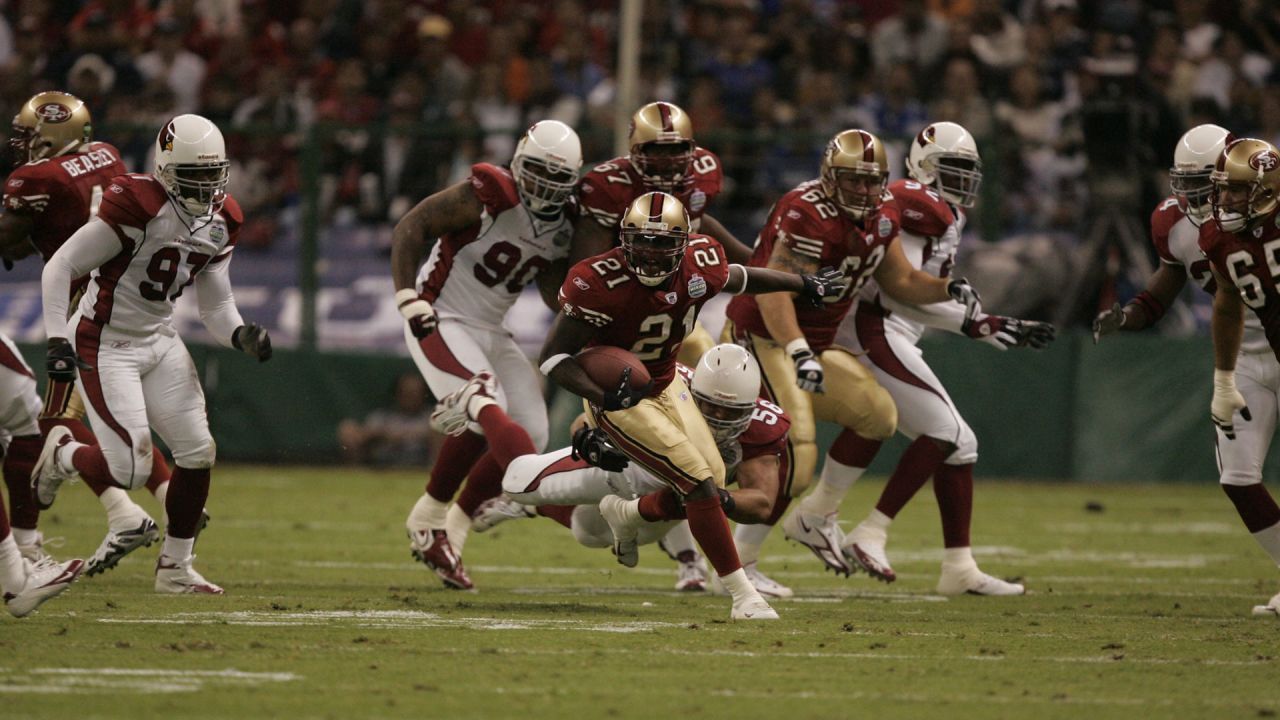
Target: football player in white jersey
[[1175, 232], [154, 236], [945, 171], [498, 231]]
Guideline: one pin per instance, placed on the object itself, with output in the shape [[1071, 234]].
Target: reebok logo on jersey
[[913, 214], [582, 284]]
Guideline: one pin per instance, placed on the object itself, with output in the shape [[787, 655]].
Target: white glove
[[1226, 401], [418, 312], [809, 374]]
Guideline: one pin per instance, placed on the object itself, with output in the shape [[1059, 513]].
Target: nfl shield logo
[[671, 298]]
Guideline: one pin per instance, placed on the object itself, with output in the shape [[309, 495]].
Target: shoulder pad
[[494, 187], [921, 211]]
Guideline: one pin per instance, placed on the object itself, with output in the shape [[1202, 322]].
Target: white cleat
[[44, 581], [35, 552], [821, 535], [864, 549], [180, 578], [497, 510], [119, 543], [455, 410], [970, 580], [624, 522], [47, 477], [691, 576], [1271, 609], [752, 607], [764, 584]]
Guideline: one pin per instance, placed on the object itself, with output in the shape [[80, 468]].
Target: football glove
[[624, 396], [826, 283], [1226, 401], [1108, 321], [962, 292], [61, 361], [593, 446], [253, 340], [417, 312], [808, 370], [1006, 332]]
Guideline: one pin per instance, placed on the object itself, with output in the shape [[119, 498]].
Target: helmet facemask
[[653, 256], [959, 176], [727, 420], [1193, 190], [544, 188], [1237, 205], [858, 191], [663, 165], [201, 189]]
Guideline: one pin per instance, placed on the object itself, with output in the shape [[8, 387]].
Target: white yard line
[[97, 681]]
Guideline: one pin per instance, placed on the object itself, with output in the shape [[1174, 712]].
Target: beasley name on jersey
[[476, 274], [161, 256], [1250, 259], [607, 191], [767, 433], [810, 225], [61, 194], [651, 322]]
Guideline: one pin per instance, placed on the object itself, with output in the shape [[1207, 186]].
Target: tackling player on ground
[[155, 235], [1242, 243], [55, 189], [645, 297], [498, 231]]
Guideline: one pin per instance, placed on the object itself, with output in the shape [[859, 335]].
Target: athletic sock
[[507, 440], [737, 585], [953, 487], [917, 464], [562, 514], [13, 569], [662, 505], [457, 525], [428, 513], [876, 520], [833, 485], [24, 513], [484, 482], [1268, 538], [177, 549], [749, 539], [122, 512], [711, 529], [25, 536], [1255, 505], [187, 496], [958, 558], [457, 454]]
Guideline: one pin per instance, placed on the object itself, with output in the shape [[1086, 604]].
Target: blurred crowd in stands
[[1057, 91]]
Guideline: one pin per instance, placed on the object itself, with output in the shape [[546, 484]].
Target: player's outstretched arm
[[1145, 309], [1228, 334], [734, 249], [89, 248]]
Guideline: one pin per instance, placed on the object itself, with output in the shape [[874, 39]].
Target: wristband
[[742, 289], [797, 345], [406, 296], [1224, 379], [551, 363], [1150, 305]]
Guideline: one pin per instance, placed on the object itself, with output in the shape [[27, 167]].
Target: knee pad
[[197, 456], [519, 476]]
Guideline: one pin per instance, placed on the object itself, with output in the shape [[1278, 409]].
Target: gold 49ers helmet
[[1246, 183], [855, 171], [48, 125], [661, 142], [655, 233]]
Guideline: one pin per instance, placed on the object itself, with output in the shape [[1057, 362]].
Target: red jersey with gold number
[[61, 194], [608, 190], [1250, 259]]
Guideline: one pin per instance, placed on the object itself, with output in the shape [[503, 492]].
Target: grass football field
[[1141, 609]]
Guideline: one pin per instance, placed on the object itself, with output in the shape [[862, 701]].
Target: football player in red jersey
[[57, 188], [840, 218], [945, 173], [1242, 244], [644, 296], [498, 231], [663, 157]]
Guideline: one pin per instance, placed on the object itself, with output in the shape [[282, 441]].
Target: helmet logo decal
[[926, 136], [1264, 161], [167, 136], [868, 146], [54, 112], [664, 113], [655, 210]]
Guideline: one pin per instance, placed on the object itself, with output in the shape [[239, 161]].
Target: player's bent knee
[[519, 476], [198, 456], [882, 416], [1240, 478], [590, 528], [966, 449]]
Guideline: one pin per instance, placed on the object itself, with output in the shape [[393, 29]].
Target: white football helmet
[[1193, 160], [945, 157], [192, 165], [725, 386], [546, 165]]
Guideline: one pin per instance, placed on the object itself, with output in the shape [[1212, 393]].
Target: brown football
[[604, 365]]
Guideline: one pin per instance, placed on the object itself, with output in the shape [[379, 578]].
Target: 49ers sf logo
[[1265, 161], [54, 112]]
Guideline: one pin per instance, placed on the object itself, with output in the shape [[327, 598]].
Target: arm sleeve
[[217, 304], [88, 249], [947, 316]]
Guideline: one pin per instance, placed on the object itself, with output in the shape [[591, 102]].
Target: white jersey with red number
[[164, 250], [475, 275], [1177, 242], [930, 233]]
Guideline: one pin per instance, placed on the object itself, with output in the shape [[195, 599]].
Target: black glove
[[593, 445], [809, 374], [962, 292], [1006, 332], [61, 361], [827, 283], [624, 396], [253, 340]]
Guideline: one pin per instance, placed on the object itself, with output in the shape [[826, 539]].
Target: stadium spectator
[[397, 435], [915, 35], [181, 70]]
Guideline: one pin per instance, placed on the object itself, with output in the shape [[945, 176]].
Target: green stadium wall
[[1131, 409]]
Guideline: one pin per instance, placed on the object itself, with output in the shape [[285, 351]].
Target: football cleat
[[180, 578], [752, 607], [497, 510], [969, 579], [44, 581], [764, 584], [864, 548], [691, 573], [1271, 609], [432, 548], [624, 520], [463, 405], [821, 535], [119, 543], [47, 477]]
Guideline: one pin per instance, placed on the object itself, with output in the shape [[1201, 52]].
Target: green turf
[[1140, 610]]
